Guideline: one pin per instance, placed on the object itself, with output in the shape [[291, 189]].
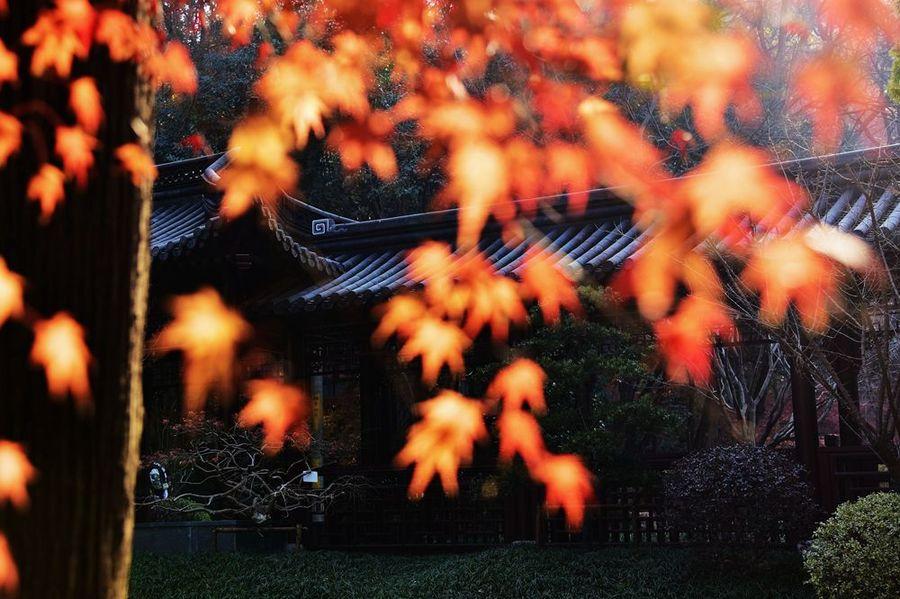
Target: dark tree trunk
[[92, 261]]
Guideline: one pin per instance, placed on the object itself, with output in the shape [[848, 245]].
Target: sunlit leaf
[[10, 137], [686, 337], [118, 32], [437, 343], [173, 67], [85, 102], [9, 574], [442, 440], [282, 411], [569, 486], [59, 36], [864, 19], [207, 332], [480, 184], [399, 315], [11, 289], [547, 283], [9, 65], [138, 163], [520, 435], [520, 384], [16, 472], [366, 143], [46, 188], [59, 348], [76, 148], [260, 166]]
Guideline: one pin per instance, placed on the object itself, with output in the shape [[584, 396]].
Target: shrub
[[741, 497], [856, 552], [179, 510]]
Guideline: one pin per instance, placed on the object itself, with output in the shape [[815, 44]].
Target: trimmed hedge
[[856, 552], [499, 573]]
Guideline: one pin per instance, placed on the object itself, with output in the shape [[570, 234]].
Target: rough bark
[[92, 261]]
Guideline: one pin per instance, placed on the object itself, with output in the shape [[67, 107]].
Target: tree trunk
[[91, 260]]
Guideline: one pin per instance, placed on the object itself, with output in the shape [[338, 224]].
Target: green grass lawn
[[515, 572]]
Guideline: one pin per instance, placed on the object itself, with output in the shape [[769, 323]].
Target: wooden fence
[[487, 512]]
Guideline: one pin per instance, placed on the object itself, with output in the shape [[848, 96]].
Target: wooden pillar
[[806, 429], [846, 357]]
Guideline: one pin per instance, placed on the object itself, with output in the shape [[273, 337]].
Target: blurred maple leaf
[[520, 383], [550, 285], [685, 338], [9, 65], [366, 143], [734, 181], [46, 187], [830, 87], [520, 434], [9, 574], [16, 472], [84, 100], [60, 349], [76, 148], [207, 332], [863, 19], [197, 143], [118, 32], [803, 269], [239, 19], [281, 409], [569, 486], [438, 343], [172, 66], [10, 136], [58, 36], [442, 440], [260, 166], [399, 315], [11, 290], [138, 163]]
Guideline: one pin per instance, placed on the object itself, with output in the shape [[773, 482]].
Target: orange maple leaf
[[399, 315], [60, 349], [281, 409], [480, 185], [16, 472], [138, 162], [46, 187], [569, 486], [118, 32], [787, 269], [172, 66], [58, 36], [11, 290], [260, 166], [432, 263], [9, 65], [76, 148], [830, 87], [438, 343], [520, 434], [550, 285], [207, 332], [569, 169], [864, 19], [10, 137], [735, 181], [518, 384], [9, 574], [84, 100], [239, 19], [366, 143], [442, 441], [685, 338]]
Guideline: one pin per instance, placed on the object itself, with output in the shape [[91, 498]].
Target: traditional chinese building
[[308, 279]]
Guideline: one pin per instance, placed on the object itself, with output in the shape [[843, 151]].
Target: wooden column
[[806, 429], [846, 359]]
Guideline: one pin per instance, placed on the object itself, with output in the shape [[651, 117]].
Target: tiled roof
[[600, 240], [186, 214]]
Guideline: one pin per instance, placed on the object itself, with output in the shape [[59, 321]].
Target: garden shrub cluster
[[739, 497], [855, 554]]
